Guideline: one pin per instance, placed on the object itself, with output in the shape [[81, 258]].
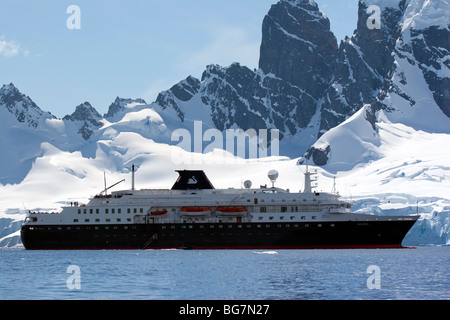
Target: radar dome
[[247, 184], [273, 175]]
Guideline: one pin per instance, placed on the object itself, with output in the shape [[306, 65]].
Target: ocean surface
[[421, 273]]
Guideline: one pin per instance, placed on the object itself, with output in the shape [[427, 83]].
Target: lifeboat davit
[[231, 211], [195, 211]]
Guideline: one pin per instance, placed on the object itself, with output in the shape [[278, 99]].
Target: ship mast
[[310, 179]]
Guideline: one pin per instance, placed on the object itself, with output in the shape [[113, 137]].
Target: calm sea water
[[421, 273]]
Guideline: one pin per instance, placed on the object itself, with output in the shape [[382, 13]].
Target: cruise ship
[[195, 215]]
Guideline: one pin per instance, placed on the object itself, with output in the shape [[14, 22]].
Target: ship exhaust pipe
[[132, 177]]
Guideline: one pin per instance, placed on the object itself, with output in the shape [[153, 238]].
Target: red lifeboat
[[231, 211], [195, 211], [158, 212]]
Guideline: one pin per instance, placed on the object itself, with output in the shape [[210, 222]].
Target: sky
[[130, 49]]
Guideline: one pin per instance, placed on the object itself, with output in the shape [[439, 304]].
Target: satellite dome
[[247, 184], [273, 175]]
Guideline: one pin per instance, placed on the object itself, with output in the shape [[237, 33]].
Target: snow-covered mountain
[[373, 112], [415, 90]]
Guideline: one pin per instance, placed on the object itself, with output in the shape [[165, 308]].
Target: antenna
[[104, 178], [107, 188], [132, 177], [333, 190]]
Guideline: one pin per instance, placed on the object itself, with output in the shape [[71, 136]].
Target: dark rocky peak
[[186, 89], [377, 43], [84, 112], [87, 118], [21, 106], [298, 46], [119, 106], [431, 50], [423, 41], [181, 92], [363, 62]]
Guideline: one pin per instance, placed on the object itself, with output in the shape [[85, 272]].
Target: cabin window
[[113, 210], [106, 211], [91, 211], [141, 210], [117, 219], [75, 220], [107, 220], [119, 210], [97, 220], [134, 210], [128, 210], [86, 220], [262, 209], [84, 211], [79, 211]]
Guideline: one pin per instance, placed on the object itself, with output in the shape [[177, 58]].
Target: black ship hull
[[308, 235]]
